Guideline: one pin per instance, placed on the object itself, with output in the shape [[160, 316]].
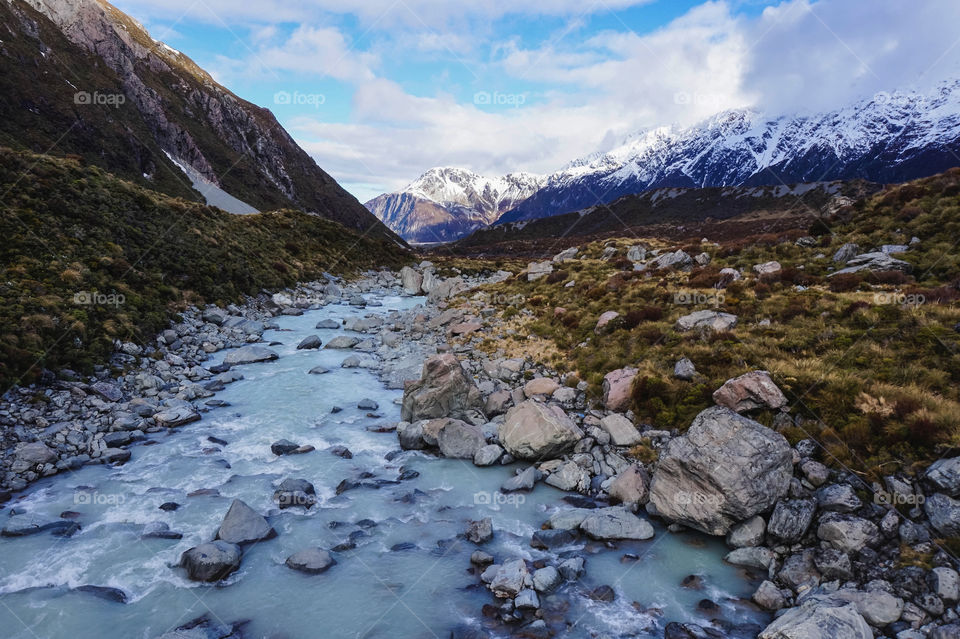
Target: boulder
[[847, 532], [243, 525], [410, 280], [752, 557], [211, 561], [444, 390], [747, 533], [768, 596], [522, 481], [176, 416], [480, 531], [309, 342], [411, 435], [509, 579], [342, 342], [569, 476], [631, 487], [685, 370], [36, 453], [790, 519], [876, 261], [944, 475], [724, 469], [603, 322], [311, 561], [541, 386], [944, 514], [749, 392], [250, 354], [460, 440], [538, 270], [617, 389], [707, 320], [615, 523], [846, 253], [546, 579], [488, 455], [677, 260], [571, 569], [767, 268], [533, 430], [621, 430], [878, 607], [566, 255], [295, 492], [819, 618], [841, 498]]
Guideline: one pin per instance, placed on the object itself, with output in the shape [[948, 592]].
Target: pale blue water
[[371, 592]]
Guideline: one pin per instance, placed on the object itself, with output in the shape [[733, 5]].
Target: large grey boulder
[[249, 355], [631, 487], [176, 416], [726, 468], [510, 578], [444, 390], [569, 476], [878, 607], [537, 270], [846, 253], [617, 387], [311, 561], [211, 561], [750, 391], [533, 430], [460, 440], [615, 523], [876, 261], [243, 525], [309, 342], [36, 453], [819, 618], [747, 533], [678, 259], [410, 280]]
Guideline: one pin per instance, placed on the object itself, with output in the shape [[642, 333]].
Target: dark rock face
[[244, 525], [212, 561]]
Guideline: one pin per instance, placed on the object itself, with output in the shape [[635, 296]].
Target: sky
[[379, 91]]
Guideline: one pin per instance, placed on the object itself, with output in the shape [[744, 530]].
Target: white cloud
[[320, 51]]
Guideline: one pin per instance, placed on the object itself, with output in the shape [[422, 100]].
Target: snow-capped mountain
[[446, 203], [888, 138]]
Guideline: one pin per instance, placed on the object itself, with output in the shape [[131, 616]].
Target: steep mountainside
[[890, 138], [87, 258], [80, 77], [446, 203]]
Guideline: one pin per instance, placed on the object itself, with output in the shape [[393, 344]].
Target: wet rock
[[283, 447], [327, 324], [159, 530], [480, 531], [460, 440], [411, 435], [367, 404], [526, 599], [250, 354], [725, 469], [295, 492], [549, 539], [509, 579], [309, 342], [311, 561], [546, 579], [318, 370], [480, 558], [602, 593], [169, 506], [749, 392], [615, 523], [533, 430], [444, 390], [176, 416], [488, 455], [522, 481], [244, 525], [104, 592], [631, 487], [572, 569], [747, 533], [211, 561], [341, 451]]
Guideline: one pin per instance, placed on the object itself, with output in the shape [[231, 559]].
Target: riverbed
[[409, 575]]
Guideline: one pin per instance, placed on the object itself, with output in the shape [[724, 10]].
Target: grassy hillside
[[72, 233], [871, 362]]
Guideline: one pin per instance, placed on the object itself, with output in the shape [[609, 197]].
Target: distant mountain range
[[446, 203], [81, 78], [888, 138]]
